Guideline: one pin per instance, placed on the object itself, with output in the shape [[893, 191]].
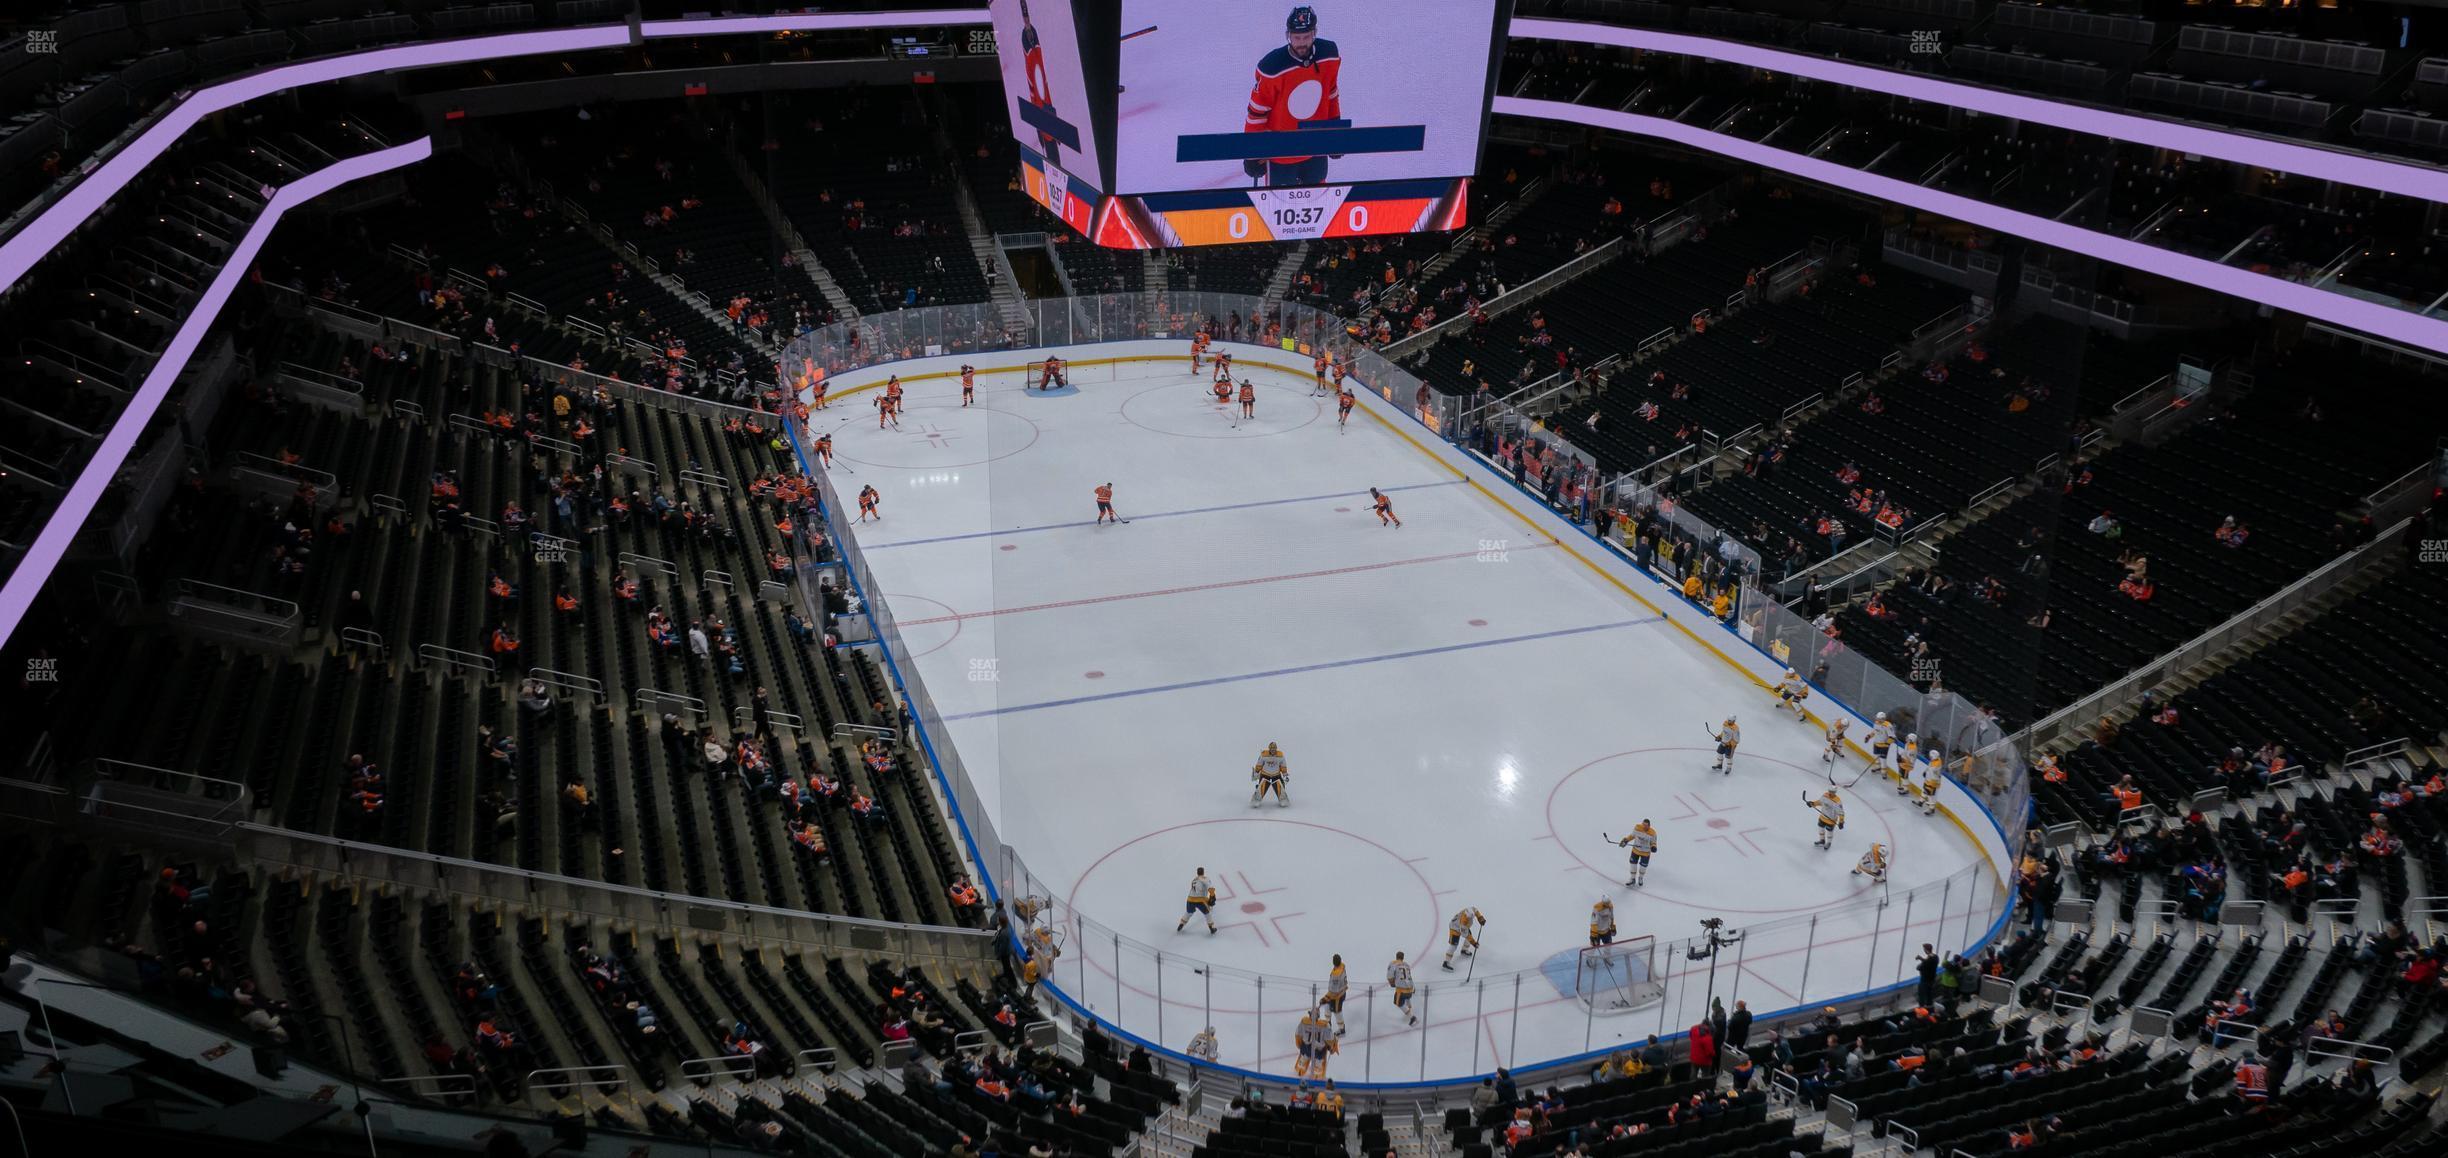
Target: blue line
[[1335, 663], [1156, 515]]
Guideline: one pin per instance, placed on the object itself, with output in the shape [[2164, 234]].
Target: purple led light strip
[[2428, 333], [2426, 182], [78, 503]]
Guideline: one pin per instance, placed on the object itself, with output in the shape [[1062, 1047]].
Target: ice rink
[[1468, 708]]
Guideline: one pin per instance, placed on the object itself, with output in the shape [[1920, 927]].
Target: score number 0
[[1355, 218]]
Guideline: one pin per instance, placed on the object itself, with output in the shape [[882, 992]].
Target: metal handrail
[[568, 680], [658, 701], [454, 657]]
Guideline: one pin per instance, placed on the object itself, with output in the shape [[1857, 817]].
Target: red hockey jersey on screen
[[1291, 93]]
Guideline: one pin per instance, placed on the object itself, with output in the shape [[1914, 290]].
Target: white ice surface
[[1465, 707]]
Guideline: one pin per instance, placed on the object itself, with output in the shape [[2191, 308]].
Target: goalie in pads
[[1052, 375], [1270, 774], [1313, 1043]]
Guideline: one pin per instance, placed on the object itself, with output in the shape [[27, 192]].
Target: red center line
[[1195, 587]]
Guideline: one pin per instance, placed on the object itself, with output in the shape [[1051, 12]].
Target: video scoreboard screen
[[1160, 123]]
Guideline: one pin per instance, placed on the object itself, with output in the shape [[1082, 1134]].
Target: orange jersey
[[1104, 494], [1385, 506], [968, 379], [1249, 393], [1345, 401]]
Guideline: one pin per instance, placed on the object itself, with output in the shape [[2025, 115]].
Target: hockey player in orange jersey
[[1297, 84]]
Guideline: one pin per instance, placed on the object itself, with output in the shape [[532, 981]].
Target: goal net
[[1074, 372], [1619, 978]]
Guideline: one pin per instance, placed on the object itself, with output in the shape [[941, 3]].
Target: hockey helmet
[[1729, 719], [1882, 715], [1912, 737], [1272, 750], [1302, 19], [1831, 794]]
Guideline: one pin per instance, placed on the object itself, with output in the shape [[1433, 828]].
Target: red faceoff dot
[[1096, 675], [1253, 906], [1011, 546], [1720, 822], [1478, 623]]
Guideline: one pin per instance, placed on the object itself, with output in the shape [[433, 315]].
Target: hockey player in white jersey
[[1270, 774], [1835, 740], [1201, 903], [1338, 988], [1830, 808], [1602, 922], [1791, 691], [1729, 737], [1643, 842], [1874, 864], [1203, 1045], [1905, 758], [1882, 740], [1933, 774], [1398, 978], [1462, 934]]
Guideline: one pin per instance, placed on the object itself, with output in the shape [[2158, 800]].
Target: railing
[[242, 616], [165, 801], [2200, 648], [656, 701], [562, 899], [569, 681], [451, 657], [1509, 300]]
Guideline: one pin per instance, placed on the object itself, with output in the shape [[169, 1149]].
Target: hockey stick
[[1473, 968], [1127, 37]]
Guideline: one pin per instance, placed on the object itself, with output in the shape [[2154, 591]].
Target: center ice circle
[[934, 436], [1187, 409], [1289, 893]]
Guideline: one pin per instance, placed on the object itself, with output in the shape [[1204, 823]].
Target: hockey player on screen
[[1298, 84], [1040, 89]]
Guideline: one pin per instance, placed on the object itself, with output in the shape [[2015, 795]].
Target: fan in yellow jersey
[[1270, 774], [1643, 843], [1462, 934], [1398, 978], [1602, 922], [1932, 774], [1728, 737], [1882, 739], [1831, 815], [1874, 864], [1312, 1043], [1835, 740], [1791, 691], [1201, 903], [1338, 987]]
